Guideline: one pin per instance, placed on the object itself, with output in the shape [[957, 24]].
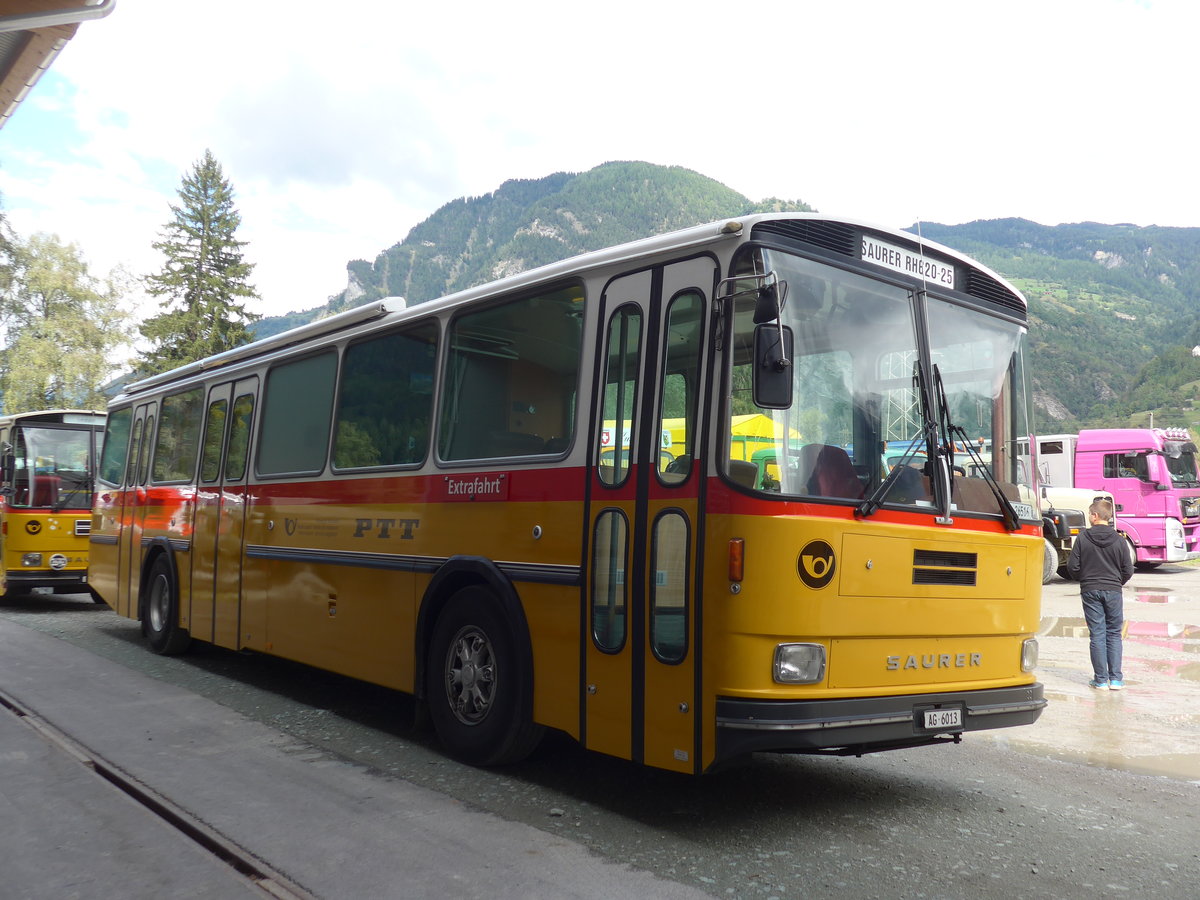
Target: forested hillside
[[1115, 309], [528, 223], [1114, 314]]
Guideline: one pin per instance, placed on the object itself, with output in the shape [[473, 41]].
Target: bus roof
[[642, 249], [58, 416]]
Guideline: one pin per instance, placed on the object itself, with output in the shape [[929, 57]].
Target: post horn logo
[[817, 564], [33, 526]]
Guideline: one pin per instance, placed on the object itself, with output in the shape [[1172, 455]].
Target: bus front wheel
[[477, 696], [160, 611]]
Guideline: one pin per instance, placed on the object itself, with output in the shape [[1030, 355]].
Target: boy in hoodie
[[1100, 562]]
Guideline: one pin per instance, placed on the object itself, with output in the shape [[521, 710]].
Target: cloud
[[341, 127]]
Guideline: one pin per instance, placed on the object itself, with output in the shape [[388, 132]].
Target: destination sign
[[901, 259]]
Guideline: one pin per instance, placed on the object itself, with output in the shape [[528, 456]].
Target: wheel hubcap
[[158, 604], [470, 676]]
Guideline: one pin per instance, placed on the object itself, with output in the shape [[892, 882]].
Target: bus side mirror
[[772, 367], [8, 471]]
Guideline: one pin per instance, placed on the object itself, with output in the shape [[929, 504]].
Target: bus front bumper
[[74, 582], [850, 727]]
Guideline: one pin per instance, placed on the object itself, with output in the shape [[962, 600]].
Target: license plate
[[1024, 511], [949, 719]]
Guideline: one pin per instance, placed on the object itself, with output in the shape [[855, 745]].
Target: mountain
[[1114, 314], [1114, 309], [529, 223]]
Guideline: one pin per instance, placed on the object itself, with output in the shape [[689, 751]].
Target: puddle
[[1156, 596], [1188, 671], [1173, 636]]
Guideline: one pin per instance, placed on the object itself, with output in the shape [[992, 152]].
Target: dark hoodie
[[1100, 559]]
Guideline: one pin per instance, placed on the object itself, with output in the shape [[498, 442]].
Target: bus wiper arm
[[873, 502], [868, 506], [1011, 519]]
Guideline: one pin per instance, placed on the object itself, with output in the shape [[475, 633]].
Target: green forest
[[1114, 308]]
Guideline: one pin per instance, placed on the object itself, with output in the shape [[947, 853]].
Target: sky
[[342, 125]]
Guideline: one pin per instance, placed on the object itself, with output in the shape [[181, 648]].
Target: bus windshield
[[858, 408], [52, 468]]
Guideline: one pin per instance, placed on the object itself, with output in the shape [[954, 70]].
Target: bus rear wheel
[[479, 699], [160, 611]]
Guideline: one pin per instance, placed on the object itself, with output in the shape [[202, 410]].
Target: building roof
[[32, 32]]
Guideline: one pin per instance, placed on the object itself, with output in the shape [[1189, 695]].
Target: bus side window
[[116, 446], [297, 411], [511, 376], [131, 471], [214, 437], [620, 393], [679, 393], [386, 394], [178, 436], [239, 437]]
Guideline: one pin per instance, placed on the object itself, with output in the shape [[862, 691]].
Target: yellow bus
[[427, 497], [47, 461]]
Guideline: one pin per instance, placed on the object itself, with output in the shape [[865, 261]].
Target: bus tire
[[160, 611], [478, 697]]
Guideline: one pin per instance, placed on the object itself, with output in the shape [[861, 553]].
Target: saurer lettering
[[935, 661]]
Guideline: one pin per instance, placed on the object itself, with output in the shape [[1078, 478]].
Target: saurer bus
[[47, 461], [419, 496]]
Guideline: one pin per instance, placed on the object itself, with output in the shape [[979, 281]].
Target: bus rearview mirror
[[772, 367]]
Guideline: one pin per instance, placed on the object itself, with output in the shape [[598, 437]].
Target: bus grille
[[830, 235], [83, 527], [987, 288], [944, 567], [844, 239]]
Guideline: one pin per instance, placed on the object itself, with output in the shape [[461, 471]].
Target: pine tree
[[204, 281]]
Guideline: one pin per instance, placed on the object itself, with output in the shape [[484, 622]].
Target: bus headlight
[[799, 663], [31, 560], [1029, 655]]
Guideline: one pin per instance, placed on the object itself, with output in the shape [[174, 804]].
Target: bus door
[[133, 511], [221, 513], [640, 687]]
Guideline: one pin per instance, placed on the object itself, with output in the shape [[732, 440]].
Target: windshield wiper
[[951, 431], [872, 503]]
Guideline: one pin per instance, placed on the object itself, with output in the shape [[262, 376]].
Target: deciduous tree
[[62, 327]]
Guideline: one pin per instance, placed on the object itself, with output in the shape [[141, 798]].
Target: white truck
[[1064, 515]]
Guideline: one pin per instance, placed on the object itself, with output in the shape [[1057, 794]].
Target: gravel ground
[[1060, 809]]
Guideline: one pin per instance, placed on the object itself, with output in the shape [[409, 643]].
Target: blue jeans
[[1104, 612]]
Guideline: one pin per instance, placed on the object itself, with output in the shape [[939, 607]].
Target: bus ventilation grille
[[987, 288], [944, 567], [83, 527], [830, 235]]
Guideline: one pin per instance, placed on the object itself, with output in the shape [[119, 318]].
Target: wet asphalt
[[1097, 799]]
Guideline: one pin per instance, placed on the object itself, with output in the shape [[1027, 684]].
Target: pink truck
[[1152, 476]]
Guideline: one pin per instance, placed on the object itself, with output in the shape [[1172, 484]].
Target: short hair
[[1102, 509]]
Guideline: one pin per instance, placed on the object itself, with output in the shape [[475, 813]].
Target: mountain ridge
[[1114, 309]]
